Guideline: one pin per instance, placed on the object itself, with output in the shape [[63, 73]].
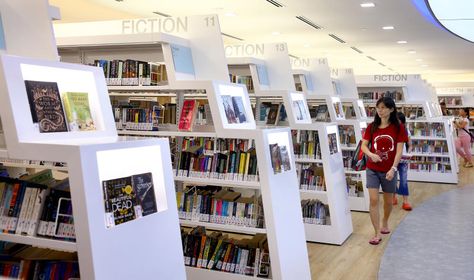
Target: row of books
[[311, 177], [232, 165], [315, 212], [373, 96], [429, 129], [7, 161], [244, 80], [306, 144], [451, 100], [38, 270], [30, 208], [319, 112], [430, 146], [272, 113], [430, 164], [410, 111], [219, 252], [208, 204], [55, 112], [133, 72], [355, 186], [143, 114]]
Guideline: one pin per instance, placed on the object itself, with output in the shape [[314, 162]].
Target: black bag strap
[[468, 132]]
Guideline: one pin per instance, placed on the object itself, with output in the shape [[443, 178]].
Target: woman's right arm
[[365, 149]]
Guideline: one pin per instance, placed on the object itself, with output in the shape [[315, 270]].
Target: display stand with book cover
[[244, 180], [324, 220], [59, 112]]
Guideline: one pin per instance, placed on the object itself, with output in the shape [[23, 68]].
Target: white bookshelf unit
[[433, 157], [283, 227], [92, 157], [329, 223]]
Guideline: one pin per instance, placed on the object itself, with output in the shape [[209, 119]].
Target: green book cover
[[78, 113]]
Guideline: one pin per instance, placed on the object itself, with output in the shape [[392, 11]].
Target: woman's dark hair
[[466, 110], [389, 103], [401, 117]]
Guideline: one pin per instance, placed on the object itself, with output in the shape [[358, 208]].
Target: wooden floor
[[356, 258]]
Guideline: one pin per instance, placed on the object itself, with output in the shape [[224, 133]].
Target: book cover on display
[[78, 112], [275, 158], [299, 108], [239, 109], [45, 106], [143, 187], [285, 158], [120, 201], [229, 109]]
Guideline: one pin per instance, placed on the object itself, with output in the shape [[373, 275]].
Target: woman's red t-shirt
[[384, 143]]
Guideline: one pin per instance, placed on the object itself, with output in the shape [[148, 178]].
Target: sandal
[[375, 240], [384, 231]]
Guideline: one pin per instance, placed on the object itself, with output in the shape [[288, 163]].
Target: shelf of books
[[61, 120], [226, 187], [434, 157]]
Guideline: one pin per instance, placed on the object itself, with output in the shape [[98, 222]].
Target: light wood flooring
[[356, 258]]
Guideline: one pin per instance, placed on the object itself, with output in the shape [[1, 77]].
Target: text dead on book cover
[[120, 201], [45, 106]]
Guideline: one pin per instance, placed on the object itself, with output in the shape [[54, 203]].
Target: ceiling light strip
[[293, 56], [308, 22], [230, 36], [162, 14], [275, 3], [371, 58], [382, 64], [337, 38], [357, 50]]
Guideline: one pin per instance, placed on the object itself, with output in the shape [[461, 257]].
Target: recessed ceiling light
[[230, 14], [418, 59], [411, 51], [402, 42], [388, 28], [275, 33], [367, 5]]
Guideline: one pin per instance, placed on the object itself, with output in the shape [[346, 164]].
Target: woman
[[463, 142], [387, 137], [403, 169]]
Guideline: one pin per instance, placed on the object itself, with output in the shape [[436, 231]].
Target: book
[[188, 114], [275, 158], [285, 158], [300, 110], [322, 113], [78, 112], [332, 139], [273, 114], [45, 106], [229, 109], [120, 201], [143, 187], [239, 109]]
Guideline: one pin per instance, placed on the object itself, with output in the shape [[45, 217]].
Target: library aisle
[[436, 239], [358, 260]]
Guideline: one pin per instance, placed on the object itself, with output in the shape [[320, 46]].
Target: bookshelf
[[283, 228], [324, 203], [91, 157], [434, 157]]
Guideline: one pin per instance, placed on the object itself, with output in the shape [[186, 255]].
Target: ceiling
[[430, 50]]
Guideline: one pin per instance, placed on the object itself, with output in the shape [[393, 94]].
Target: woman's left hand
[[390, 174]]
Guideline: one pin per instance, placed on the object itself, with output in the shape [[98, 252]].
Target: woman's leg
[[459, 148], [466, 146], [374, 209], [403, 176]]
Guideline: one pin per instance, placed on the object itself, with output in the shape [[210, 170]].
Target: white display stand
[[336, 195], [92, 157], [449, 156], [341, 224]]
